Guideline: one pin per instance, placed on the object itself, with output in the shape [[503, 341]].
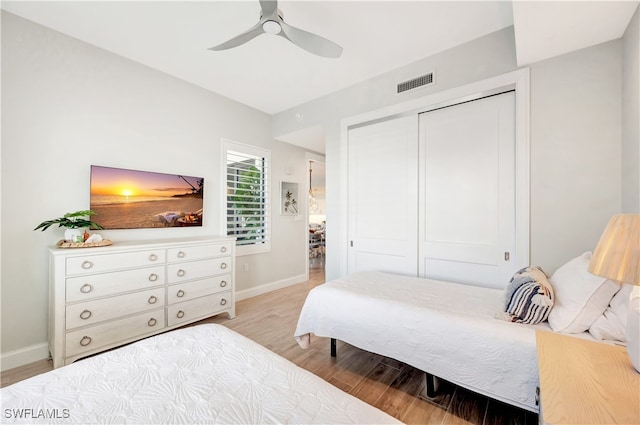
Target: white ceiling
[[272, 75]]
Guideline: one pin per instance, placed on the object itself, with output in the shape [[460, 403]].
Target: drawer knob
[[86, 288], [223, 265], [153, 299], [85, 315], [180, 314], [181, 273], [223, 302], [86, 264], [153, 257], [181, 254], [223, 249], [223, 283], [153, 277], [85, 341], [152, 322], [180, 293]]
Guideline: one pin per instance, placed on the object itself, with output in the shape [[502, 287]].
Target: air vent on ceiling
[[423, 80]]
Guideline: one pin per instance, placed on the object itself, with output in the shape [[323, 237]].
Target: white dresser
[[103, 297]]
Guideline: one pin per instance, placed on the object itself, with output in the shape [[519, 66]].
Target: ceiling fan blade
[[312, 43], [249, 34], [269, 7]]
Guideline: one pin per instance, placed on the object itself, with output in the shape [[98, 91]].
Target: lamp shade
[[617, 255]]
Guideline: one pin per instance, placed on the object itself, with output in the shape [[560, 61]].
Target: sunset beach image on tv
[[130, 199]]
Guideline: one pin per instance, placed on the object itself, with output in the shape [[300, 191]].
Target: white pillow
[[608, 327], [611, 326], [620, 303], [581, 297]]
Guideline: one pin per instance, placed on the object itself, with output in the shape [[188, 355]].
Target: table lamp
[[617, 257]]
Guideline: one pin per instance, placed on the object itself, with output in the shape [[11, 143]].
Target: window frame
[[250, 150]]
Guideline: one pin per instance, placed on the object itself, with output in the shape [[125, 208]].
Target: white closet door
[[383, 201], [467, 185]]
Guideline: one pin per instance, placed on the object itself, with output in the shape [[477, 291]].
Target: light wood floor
[[394, 387]]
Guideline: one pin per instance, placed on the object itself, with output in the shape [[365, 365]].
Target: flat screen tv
[[131, 199]]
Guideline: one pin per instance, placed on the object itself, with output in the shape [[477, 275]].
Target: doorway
[[316, 212]]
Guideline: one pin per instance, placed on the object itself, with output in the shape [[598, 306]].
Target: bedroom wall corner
[[631, 116]]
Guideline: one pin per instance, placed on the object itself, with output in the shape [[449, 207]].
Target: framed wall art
[[289, 202], [132, 199]]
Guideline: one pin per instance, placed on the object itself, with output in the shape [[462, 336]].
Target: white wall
[[67, 105], [576, 103], [575, 137], [487, 56], [631, 117]]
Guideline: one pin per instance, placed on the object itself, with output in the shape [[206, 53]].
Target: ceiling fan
[[272, 22]]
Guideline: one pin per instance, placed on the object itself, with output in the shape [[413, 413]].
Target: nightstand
[[586, 382]]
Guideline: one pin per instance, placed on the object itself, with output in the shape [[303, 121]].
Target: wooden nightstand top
[[586, 382]]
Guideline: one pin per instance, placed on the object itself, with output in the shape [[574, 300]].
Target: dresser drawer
[[99, 285], [198, 308], [87, 313], [94, 337], [191, 270], [198, 288], [106, 262], [198, 252]]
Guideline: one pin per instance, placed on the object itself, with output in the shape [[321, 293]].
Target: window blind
[[248, 197]]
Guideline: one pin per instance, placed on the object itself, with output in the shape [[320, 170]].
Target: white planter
[[74, 235]]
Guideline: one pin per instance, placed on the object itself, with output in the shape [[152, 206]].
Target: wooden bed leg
[[333, 347], [431, 385]]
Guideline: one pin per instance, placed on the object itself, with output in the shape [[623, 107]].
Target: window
[[248, 197]]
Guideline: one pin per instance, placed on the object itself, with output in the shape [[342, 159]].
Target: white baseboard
[[24, 356], [268, 287]]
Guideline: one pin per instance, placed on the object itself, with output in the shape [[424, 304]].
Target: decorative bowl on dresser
[[100, 298]]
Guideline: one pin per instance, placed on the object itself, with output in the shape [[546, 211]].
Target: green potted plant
[[73, 222]]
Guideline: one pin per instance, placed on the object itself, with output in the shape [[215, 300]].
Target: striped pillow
[[528, 297]]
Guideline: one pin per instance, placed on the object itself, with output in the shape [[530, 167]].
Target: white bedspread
[[203, 374], [443, 328]]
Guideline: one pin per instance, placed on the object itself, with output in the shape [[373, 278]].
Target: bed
[[445, 329], [201, 374]]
